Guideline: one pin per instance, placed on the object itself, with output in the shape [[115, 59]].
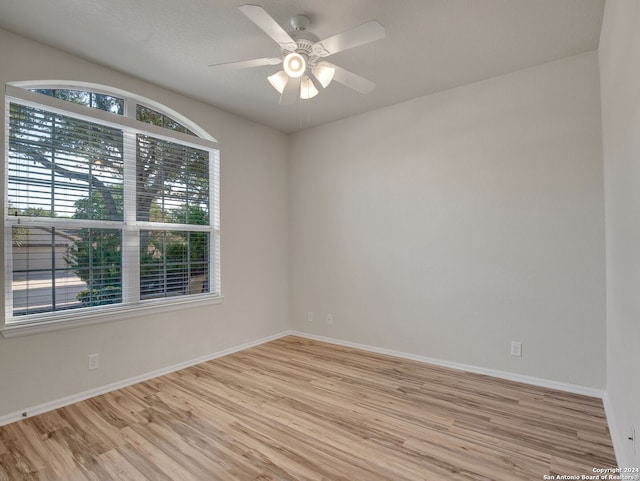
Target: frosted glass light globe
[[294, 65]]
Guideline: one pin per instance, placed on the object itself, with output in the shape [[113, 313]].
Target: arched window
[[111, 205]]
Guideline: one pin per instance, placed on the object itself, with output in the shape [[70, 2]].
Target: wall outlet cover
[[94, 361]]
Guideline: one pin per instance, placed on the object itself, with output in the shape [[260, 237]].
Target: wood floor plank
[[297, 410], [119, 468]]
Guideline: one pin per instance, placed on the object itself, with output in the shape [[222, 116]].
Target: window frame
[[16, 93]]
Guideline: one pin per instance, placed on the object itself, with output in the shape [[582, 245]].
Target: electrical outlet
[[330, 319], [94, 361], [309, 316], [516, 348]]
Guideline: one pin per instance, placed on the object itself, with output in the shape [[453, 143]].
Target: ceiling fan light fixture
[[294, 64], [324, 74], [307, 89], [279, 80]]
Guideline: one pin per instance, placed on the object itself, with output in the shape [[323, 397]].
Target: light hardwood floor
[[295, 409]]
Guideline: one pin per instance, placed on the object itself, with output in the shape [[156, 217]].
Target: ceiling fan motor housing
[[300, 22], [307, 42]]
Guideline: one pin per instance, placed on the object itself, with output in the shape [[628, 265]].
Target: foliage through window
[[108, 103], [150, 116], [102, 211]]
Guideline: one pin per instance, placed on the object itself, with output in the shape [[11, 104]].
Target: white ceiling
[[431, 45]]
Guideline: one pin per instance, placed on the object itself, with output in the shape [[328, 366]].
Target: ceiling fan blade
[[365, 33], [353, 81], [256, 62], [291, 91], [262, 19]]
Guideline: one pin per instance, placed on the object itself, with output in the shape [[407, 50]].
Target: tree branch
[[110, 203]]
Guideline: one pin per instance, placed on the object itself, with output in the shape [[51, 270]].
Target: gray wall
[[452, 224], [620, 80], [40, 368]]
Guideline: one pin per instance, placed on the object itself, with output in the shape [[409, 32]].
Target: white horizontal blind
[[101, 214], [172, 187], [62, 169], [59, 166]]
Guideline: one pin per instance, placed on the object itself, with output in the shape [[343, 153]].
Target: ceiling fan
[[304, 72]]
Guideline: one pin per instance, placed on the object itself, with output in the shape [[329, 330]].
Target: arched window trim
[[203, 138], [130, 100]]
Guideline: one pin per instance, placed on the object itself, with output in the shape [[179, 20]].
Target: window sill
[[24, 328]]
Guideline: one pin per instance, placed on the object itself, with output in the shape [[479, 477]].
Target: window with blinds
[[103, 210]]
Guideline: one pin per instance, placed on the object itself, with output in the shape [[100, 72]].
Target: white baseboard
[[619, 439], [572, 388], [613, 430], [535, 381], [58, 403], [65, 401]]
